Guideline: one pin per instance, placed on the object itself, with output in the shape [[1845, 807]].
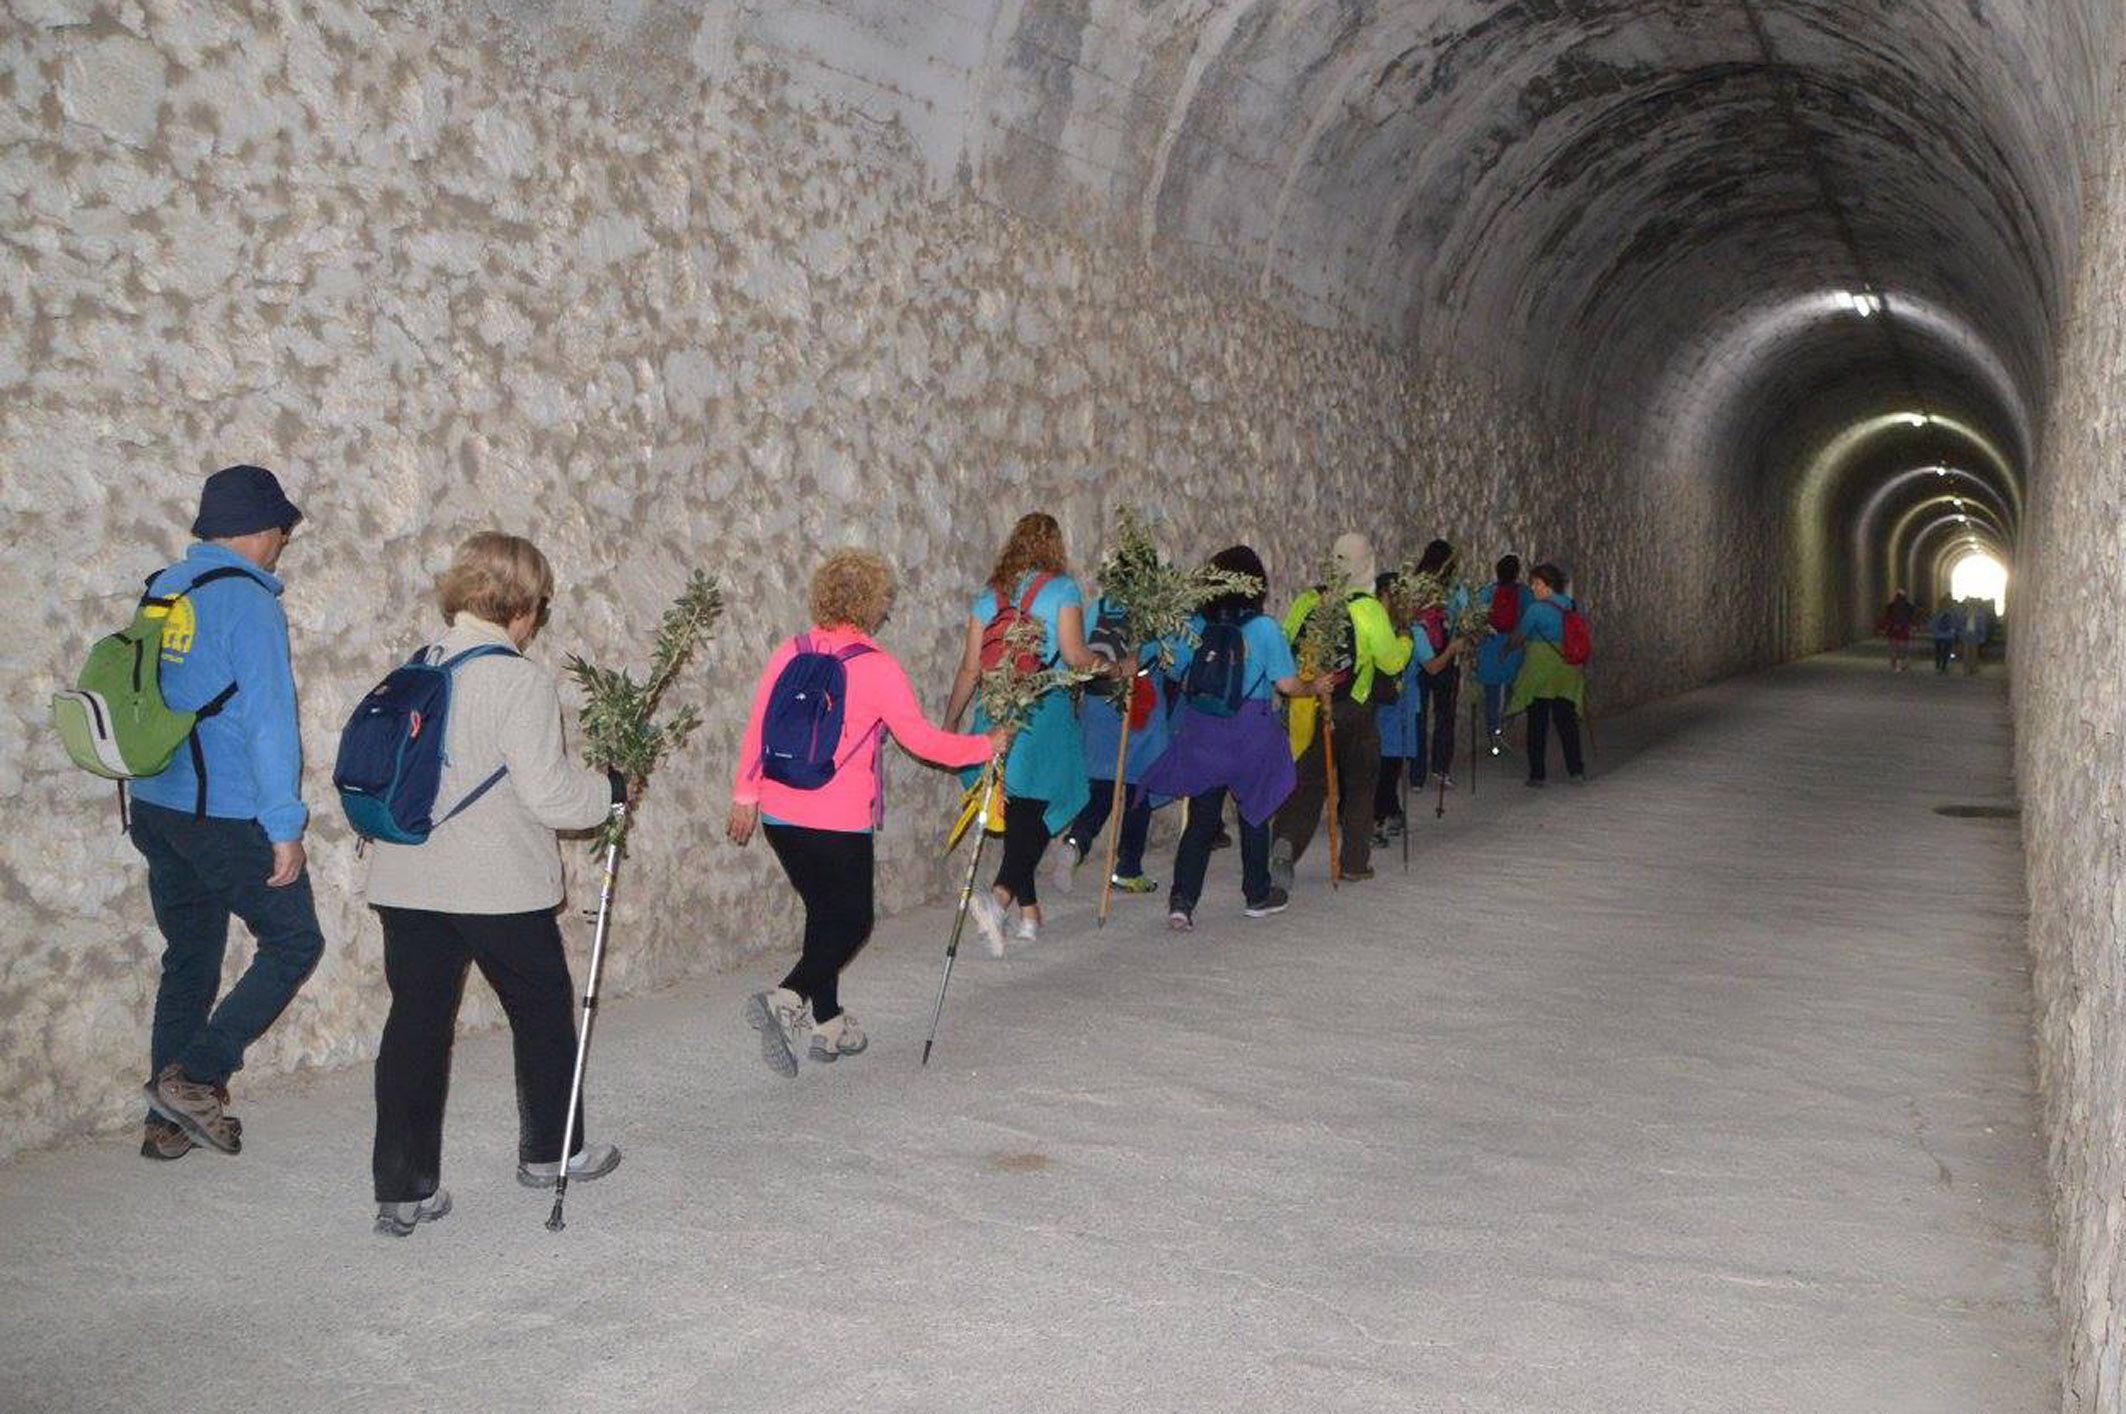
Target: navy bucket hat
[[243, 500]]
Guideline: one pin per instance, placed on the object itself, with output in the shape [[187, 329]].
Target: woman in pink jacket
[[821, 833]]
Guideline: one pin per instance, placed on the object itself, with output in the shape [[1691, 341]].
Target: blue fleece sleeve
[[258, 651]]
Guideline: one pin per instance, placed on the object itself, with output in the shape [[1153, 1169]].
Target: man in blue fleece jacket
[[222, 827]]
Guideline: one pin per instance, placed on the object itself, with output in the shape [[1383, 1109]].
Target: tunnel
[[1748, 313]]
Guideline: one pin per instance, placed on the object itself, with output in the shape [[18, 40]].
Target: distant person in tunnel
[[1373, 647], [1439, 692], [1898, 617], [1504, 602], [1551, 689], [1974, 630], [1045, 784], [1943, 628]]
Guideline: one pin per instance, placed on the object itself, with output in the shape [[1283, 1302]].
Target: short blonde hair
[[852, 587], [496, 577]]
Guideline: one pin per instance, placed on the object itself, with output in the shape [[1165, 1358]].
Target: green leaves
[[1157, 599], [1009, 696], [619, 730]]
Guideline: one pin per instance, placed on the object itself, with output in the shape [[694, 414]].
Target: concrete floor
[[1706, 1087]]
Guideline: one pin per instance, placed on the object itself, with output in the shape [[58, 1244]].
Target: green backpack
[[115, 722]]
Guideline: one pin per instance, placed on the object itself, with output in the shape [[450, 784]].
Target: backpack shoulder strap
[[854, 651], [484, 650], [1033, 592]]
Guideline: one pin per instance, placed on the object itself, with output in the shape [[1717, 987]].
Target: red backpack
[[1577, 644], [1434, 623], [1008, 616], [1505, 607]]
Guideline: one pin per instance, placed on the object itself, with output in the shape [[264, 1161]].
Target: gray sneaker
[[591, 1161], [400, 1219], [1281, 864], [778, 1016], [831, 1040]]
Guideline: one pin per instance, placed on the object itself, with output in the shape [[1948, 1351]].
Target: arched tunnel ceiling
[[1640, 212]]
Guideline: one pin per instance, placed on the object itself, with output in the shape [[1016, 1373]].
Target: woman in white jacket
[[483, 891]]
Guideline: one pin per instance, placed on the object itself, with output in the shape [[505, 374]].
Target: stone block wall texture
[[2070, 688], [444, 282]]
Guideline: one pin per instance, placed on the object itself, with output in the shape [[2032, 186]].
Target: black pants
[[1543, 713], [1387, 793], [1944, 648], [831, 871], [1192, 859], [1437, 695], [1084, 832], [1357, 775], [1025, 837], [425, 957]]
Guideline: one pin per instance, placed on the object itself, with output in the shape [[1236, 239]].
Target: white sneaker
[[780, 1016], [988, 916], [1028, 931], [1064, 872]]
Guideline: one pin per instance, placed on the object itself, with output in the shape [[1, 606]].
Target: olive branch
[[1157, 600]]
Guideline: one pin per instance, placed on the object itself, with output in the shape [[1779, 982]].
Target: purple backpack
[[803, 723]]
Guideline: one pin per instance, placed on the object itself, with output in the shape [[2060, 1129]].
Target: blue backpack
[[391, 752], [1217, 679], [802, 726]]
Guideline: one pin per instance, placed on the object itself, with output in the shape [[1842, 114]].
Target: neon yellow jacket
[[1376, 644]]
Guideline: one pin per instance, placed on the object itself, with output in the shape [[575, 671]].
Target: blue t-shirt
[[1058, 594], [1269, 656]]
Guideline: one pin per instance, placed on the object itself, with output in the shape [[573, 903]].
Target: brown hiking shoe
[[162, 1140], [195, 1109]]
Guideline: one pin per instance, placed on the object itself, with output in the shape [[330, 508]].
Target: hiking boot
[[1064, 872], [1578, 778], [1275, 901], [988, 916], [1389, 828], [1133, 884], [1356, 876], [1028, 931], [831, 1040], [1536, 783], [194, 1108], [778, 1016], [1281, 864], [400, 1219], [591, 1161], [1223, 839], [1380, 837], [1443, 781], [162, 1141], [1179, 919]]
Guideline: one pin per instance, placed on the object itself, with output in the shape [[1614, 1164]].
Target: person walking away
[[222, 827], [1497, 664], [483, 890], [822, 833], [1943, 628], [1045, 784], [1550, 690], [1977, 627], [1898, 617], [1228, 740], [1142, 702], [1399, 722], [1439, 694], [1374, 647]]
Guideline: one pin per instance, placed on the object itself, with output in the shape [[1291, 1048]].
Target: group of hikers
[[1232, 710], [1959, 628]]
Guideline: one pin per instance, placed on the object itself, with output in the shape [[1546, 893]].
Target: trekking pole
[[1410, 764], [1328, 764], [959, 922], [1114, 824], [1476, 755], [554, 1222]]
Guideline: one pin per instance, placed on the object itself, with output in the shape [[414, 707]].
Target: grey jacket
[[501, 855]]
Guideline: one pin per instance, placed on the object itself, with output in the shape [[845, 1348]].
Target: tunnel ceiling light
[[1865, 303], [1917, 419]]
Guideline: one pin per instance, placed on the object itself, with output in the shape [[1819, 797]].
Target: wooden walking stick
[[1114, 823], [1328, 765]]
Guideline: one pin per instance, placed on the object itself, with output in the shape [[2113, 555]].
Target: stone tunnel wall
[[2070, 685], [727, 329]]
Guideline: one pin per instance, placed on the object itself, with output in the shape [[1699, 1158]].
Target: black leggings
[[831, 871], [1025, 838], [425, 958]]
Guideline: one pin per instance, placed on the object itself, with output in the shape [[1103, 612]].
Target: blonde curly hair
[[853, 587]]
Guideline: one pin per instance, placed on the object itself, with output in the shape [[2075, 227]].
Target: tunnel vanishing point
[[1748, 311]]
